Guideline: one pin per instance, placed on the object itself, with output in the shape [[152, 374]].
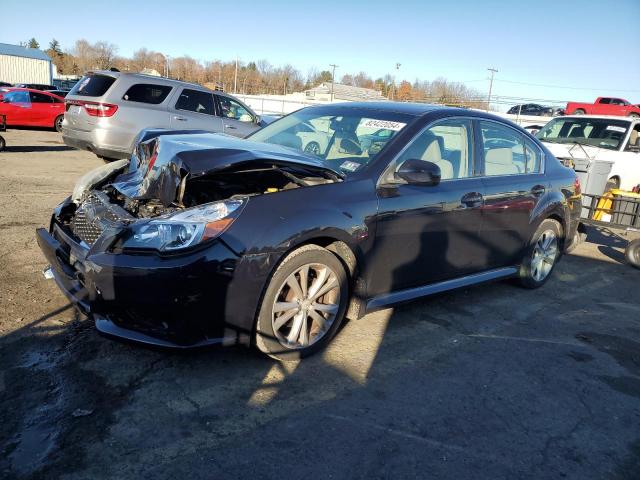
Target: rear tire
[[3, 144], [542, 254], [632, 253], [578, 111], [634, 115], [57, 124], [294, 321]]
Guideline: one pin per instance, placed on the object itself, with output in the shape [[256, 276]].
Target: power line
[[564, 86]]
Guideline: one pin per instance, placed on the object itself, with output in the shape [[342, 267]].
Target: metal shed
[[24, 65]]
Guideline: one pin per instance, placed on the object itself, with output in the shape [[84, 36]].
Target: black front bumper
[[178, 301]]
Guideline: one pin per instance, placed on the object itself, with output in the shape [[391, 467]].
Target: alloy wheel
[[306, 306], [544, 255]]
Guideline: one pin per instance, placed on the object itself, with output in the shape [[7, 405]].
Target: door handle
[[230, 127], [179, 118], [472, 199], [538, 190]]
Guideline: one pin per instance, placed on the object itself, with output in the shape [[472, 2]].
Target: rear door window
[[40, 98], [92, 85], [504, 152], [147, 93], [196, 101]]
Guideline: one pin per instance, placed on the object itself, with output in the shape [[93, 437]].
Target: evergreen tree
[[54, 46], [33, 43]]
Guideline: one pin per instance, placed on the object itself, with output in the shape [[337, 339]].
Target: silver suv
[[105, 111]]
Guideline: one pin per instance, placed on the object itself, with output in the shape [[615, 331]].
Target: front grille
[[92, 217]]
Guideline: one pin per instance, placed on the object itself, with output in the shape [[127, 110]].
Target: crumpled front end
[[177, 300]]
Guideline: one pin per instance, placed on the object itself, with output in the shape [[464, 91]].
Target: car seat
[[499, 161]]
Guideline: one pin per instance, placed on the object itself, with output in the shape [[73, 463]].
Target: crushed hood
[[159, 164]]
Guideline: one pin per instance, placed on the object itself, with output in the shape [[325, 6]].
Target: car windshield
[[345, 141], [596, 132]]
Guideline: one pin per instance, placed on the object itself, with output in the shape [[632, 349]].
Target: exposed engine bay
[[169, 174], [217, 186]]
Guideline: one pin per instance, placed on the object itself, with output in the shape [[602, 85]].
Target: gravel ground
[[489, 382]]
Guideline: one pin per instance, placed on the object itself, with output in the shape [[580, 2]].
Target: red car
[[25, 107], [604, 106]]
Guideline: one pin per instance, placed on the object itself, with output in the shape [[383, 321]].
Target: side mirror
[[419, 172], [257, 120], [350, 147]]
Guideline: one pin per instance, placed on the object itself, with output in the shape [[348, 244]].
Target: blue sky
[[563, 49]]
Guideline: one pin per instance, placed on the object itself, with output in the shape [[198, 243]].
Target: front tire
[[303, 305], [541, 255]]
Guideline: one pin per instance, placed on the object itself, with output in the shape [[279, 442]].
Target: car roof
[[144, 76], [414, 109], [601, 117], [35, 90], [392, 107]]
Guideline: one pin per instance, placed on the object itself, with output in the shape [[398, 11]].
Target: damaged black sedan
[[325, 214]]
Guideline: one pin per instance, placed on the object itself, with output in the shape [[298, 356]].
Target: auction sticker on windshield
[[615, 128], [386, 124]]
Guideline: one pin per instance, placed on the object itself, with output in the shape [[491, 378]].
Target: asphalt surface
[[490, 382]]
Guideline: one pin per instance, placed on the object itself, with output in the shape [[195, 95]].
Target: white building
[[25, 65], [342, 92]]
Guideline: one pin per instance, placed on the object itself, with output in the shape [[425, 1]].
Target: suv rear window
[[147, 93], [92, 85]]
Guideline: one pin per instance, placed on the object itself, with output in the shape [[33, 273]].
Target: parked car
[[107, 110], [60, 93], [531, 109], [604, 106], [62, 84], [208, 239], [32, 108], [5, 84], [598, 137], [36, 86]]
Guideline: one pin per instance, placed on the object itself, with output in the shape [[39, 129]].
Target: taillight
[[95, 109], [576, 186], [152, 160]]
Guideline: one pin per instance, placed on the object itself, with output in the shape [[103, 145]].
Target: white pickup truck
[[598, 137]]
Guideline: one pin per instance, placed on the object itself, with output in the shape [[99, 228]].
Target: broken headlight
[[183, 229]]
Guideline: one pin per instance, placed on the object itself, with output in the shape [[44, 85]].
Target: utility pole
[[333, 78], [235, 78], [393, 89], [493, 71], [166, 65]]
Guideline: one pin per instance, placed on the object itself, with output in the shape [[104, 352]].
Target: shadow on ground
[[489, 382]]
